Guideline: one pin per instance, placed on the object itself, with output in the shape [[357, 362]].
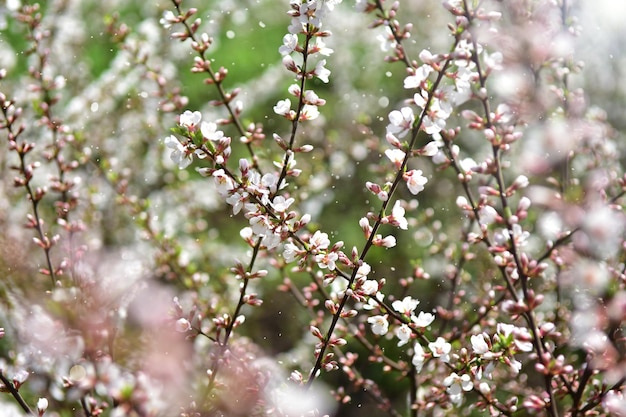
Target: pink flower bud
[[331, 306], [316, 332], [183, 325], [19, 378]]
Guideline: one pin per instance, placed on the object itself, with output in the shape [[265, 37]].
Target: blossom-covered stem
[[383, 209], [10, 114], [599, 398], [472, 202], [400, 49], [172, 100], [353, 374], [506, 208], [414, 134], [66, 203], [342, 304], [565, 164], [498, 175], [15, 393], [496, 151], [266, 207], [523, 277], [295, 123], [398, 178], [38, 222], [329, 333], [538, 343], [482, 78], [296, 120], [359, 336], [45, 86], [225, 98], [477, 216]]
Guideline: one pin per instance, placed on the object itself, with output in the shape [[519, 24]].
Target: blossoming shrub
[[402, 209]]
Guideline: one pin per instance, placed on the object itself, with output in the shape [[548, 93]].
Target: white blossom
[[406, 306], [380, 325], [397, 213], [456, 385], [290, 42], [415, 181], [179, 154], [209, 131], [396, 156], [319, 240], [415, 80], [283, 107], [440, 349], [403, 333], [419, 356], [487, 214], [401, 121], [363, 271], [42, 405], [281, 204], [423, 319], [183, 325], [479, 345], [309, 112], [326, 260], [321, 72], [168, 19], [190, 119], [369, 287], [290, 252]]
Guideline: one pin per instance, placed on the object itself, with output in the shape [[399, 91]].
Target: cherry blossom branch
[[473, 206], [415, 129], [219, 154], [47, 86], [599, 398], [523, 277], [201, 45], [13, 389], [347, 362], [387, 18], [11, 115], [309, 33]]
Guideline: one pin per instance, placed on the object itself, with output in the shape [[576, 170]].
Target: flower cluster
[[201, 139], [306, 21]]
